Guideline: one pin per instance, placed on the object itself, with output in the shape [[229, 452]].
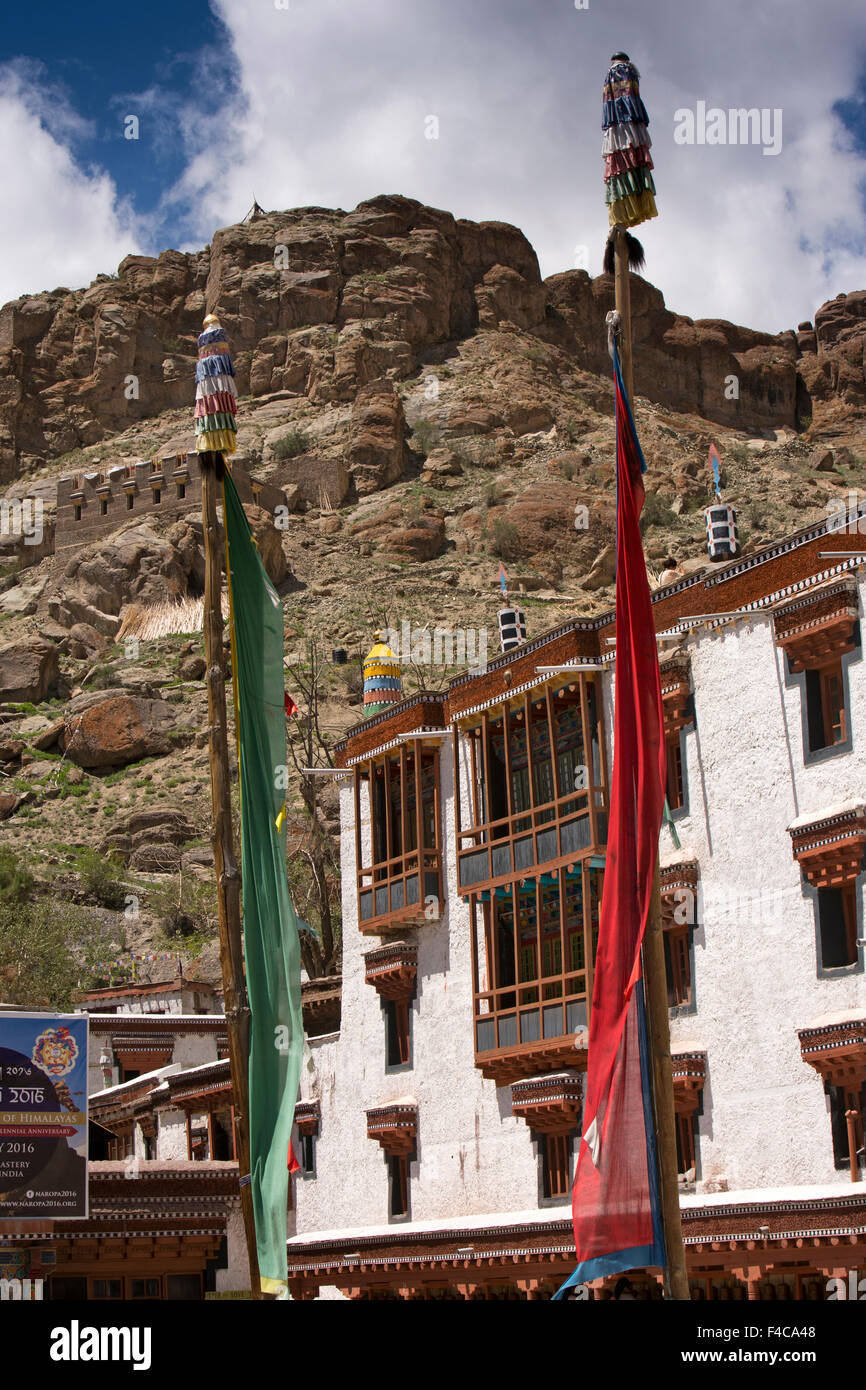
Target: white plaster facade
[[765, 1120]]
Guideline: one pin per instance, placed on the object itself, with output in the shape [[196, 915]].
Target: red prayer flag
[[615, 1196], [291, 707], [294, 1165]]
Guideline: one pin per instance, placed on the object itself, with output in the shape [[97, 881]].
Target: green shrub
[[656, 512], [16, 880], [98, 875], [289, 445], [505, 539], [425, 437]]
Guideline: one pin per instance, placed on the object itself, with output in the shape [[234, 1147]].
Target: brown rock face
[[116, 730], [28, 670], [322, 304], [313, 480], [149, 840], [270, 543], [730, 374], [377, 451], [420, 540], [135, 565]]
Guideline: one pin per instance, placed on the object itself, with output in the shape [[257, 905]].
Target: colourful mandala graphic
[[55, 1051]]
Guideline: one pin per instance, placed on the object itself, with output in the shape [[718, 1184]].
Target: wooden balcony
[[552, 835], [392, 895]]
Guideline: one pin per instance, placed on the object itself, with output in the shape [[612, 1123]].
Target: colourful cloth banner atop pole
[[615, 1197], [271, 944]]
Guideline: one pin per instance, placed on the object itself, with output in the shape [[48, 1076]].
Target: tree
[[314, 874]]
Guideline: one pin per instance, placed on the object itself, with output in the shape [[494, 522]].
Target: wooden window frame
[[678, 965], [848, 895], [686, 1141], [556, 1155], [398, 1033], [821, 706], [405, 841], [399, 1195], [675, 783], [533, 741]]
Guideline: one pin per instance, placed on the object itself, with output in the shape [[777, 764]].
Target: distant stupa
[[383, 683]]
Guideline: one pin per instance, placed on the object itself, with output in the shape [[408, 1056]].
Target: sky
[[136, 128]]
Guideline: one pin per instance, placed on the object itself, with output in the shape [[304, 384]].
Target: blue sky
[[327, 102]]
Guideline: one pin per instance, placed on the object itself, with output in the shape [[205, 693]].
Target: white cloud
[[332, 101], [59, 224]]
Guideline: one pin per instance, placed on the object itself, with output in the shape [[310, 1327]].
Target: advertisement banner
[[43, 1116]]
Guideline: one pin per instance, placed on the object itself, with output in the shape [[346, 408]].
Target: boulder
[[192, 669], [29, 671], [117, 729], [420, 539], [269, 541]]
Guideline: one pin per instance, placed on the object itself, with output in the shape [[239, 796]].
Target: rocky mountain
[[429, 405]]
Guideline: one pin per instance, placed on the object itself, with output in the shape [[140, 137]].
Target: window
[[67, 1288], [181, 489], [686, 1125], [130, 501], [837, 926], [157, 496], [843, 1102], [77, 510], [307, 1157], [103, 506], [398, 1184], [678, 966], [144, 1288], [826, 715], [183, 1286], [556, 1150], [106, 1288], [398, 1033], [674, 788]]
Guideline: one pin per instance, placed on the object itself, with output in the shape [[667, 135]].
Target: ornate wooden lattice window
[[402, 877], [536, 774], [688, 1070], [534, 943], [551, 1105], [838, 1054], [391, 970], [307, 1117], [677, 705], [679, 883], [816, 632], [830, 853], [395, 1127]]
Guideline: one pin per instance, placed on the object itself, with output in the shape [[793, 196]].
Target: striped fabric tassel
[[629, 186], [215, 392]]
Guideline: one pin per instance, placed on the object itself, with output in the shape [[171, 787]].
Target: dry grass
[[164, 619]]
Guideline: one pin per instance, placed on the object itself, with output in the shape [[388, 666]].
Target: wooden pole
[[655, 981], [228, 879], [622, 299]]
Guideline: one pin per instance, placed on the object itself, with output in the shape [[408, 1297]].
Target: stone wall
[[92, 505]]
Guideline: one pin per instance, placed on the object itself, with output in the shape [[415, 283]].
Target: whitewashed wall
[[765, 1118], [473, 1156]]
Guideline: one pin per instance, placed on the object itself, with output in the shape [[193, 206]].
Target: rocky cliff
[[319, 303]]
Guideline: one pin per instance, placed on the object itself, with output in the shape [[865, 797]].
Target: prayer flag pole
[[237, 1009], [630, 196], [236, 1002]]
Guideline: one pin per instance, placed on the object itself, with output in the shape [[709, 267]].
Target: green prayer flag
[[271, 944]]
